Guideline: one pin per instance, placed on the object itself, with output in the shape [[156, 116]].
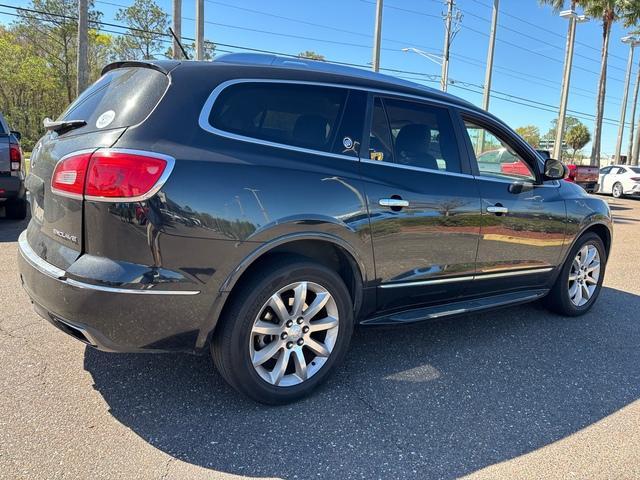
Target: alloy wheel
[[294, 334], [584, 275]]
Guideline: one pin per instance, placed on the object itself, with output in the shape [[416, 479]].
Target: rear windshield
[[634, 169], [120, 98]]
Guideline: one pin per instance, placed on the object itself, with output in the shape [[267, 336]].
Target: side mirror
[[18, 135], [554, 169]]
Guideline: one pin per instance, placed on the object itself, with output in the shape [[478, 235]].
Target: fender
[[208, 327]]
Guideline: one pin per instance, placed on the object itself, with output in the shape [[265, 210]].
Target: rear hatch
[[121, 98], [4, 147]]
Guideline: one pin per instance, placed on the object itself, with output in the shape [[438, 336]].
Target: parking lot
[[514, 393]]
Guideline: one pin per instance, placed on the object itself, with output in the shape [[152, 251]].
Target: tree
[[577, 138], [50, 30], [608, 11], [569, 123], [531, 134], [148, 25], [310, 54]]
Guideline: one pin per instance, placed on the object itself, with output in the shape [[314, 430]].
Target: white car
[[620, 180]]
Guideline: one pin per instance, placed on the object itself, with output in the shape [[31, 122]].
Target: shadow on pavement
[[431, 400], [10, 229]]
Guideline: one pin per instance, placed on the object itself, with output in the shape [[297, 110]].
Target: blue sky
[[528, 58]]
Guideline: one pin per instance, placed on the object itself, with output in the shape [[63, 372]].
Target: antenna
[[184, 52]]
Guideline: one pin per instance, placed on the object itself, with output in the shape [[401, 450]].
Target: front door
[[423, 204], [524, 218]]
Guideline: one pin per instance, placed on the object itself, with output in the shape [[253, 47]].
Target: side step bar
[[456, 308]]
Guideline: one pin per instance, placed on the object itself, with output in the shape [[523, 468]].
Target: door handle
[[393, 202], [497, 209]]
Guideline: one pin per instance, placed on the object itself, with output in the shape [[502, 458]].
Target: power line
[[422, 77]]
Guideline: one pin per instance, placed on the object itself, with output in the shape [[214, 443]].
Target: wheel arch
[[324, 248]]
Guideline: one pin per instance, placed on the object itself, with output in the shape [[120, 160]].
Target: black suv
[[260, 207]]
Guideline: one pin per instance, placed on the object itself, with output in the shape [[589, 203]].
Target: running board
[[457, 308]]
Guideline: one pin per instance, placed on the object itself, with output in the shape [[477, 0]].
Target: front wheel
[[580, 280], [285, 331]]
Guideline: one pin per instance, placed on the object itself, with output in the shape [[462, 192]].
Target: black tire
[[558, 299], [230, 345], [16, 209], [617, 192]]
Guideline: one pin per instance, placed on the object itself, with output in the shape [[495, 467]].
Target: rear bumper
[[11, 187], [110, 318]]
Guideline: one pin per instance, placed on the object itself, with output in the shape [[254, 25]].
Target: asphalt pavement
[[516, 393]]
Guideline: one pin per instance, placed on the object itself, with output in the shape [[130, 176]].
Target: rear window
[[634, 169], [120, 98], [298, 115]]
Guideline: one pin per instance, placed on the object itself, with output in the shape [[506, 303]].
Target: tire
[[236, 346], [16, 209], [617, 191], [562, 297]]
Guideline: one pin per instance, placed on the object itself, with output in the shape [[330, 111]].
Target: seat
[[412, 146]]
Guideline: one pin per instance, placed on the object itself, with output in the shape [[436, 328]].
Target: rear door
[[524, 218], [423, 203], [4, 147], [119, 99]]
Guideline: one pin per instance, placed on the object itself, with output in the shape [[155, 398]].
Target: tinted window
[[422, 135], [120, 98], [634, 169], [605, 170], [298, 115], [349, 134], [495, 157], [380, 142]]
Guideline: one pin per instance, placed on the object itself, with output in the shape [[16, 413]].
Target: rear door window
[[292, 114], [120, 98], [413, 134]]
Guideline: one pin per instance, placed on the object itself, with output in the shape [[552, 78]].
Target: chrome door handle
[[393, 202], [499, 209]]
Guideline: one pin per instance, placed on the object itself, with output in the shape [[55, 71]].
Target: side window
[[349, 134], [422, 135], [495, 157], [298, 115], [380, 142]]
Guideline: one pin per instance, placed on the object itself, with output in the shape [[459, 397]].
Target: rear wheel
[[580, 280], [16, 209], [285, 331], [617, 190]]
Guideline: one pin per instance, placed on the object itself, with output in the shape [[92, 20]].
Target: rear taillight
[[571, 177], [15, 156], [111, 175], [635, 179]]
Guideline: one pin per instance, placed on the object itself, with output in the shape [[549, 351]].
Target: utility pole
[[633, 117], [574, 18], [83, 47], [444, 78], [632, 41], [177, 29], [199, 30], [377, 37], [492, 44]]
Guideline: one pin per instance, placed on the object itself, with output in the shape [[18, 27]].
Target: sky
[[528, 60]]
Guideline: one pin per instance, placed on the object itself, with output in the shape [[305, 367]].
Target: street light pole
[[574, 18], [632, 41], [634, 104], [492, 44], [377, 37]]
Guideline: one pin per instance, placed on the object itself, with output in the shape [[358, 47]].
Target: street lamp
[[574, 19], [437, 59], [632, 40]]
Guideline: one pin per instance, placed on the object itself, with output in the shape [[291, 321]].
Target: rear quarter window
[[120, 98], [291, 114]]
